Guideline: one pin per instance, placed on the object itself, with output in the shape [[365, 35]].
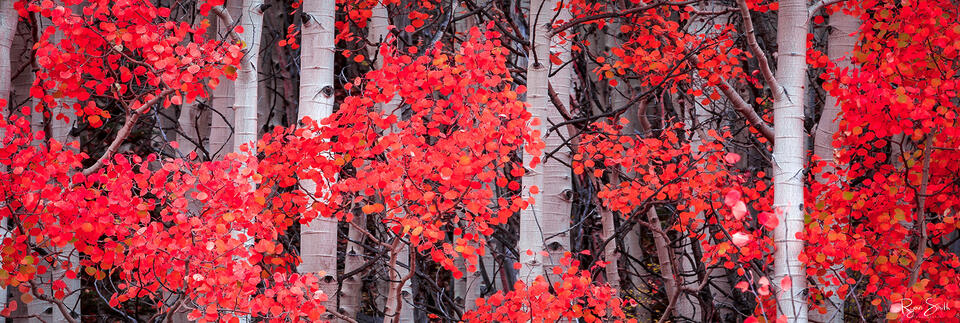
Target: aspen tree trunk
[[245, 99], [840, 47], [376, 34], [222, 101], [699, 117], [399, 303], [319, 238], [474, 283], [351, 291], [544, 225], [190, 135], [618, 96], [8, 28], [402, 299], [788, 154], [607, 217], [664, 255]]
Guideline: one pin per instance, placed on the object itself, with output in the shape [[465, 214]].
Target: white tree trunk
[[191, 133], [840, 47], [245, 95], [706, 25], [788, 156], [664, 255], [404, 299], [319, 238], [222, 101], [544, 225]]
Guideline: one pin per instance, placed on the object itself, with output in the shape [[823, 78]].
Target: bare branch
[[622, 13], [124, 132], [756, 51], [227, 20], [56, 302], [820, 4], [746, 110]]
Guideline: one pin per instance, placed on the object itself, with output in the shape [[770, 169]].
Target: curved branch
[[820, 4]]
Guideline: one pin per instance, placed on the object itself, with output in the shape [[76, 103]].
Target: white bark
[[319, 237], [664, 256], [840, 49], [544, 224], [245, 99], [706, 25], [222, 117], [399, 281], [788, 155], [191, 133]]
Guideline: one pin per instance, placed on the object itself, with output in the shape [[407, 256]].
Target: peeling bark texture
[[319, 238], [544, 225], [788, 157]]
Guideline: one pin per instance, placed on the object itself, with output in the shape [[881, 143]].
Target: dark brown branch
[[575, 22], [746, 110], [131, 120]]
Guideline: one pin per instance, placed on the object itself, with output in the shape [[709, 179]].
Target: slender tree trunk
[[788, 155], [8, 28], [319, 238], [840, 49], [699, 117], [246, 86], [222, 101], [664, 255], [190, 134], [544, 225], [399, 307]]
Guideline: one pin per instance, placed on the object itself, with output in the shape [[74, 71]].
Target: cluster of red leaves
[[708, 192], [122, 50], [430, 172], [574, 296], [200, 230], [666, 170], [903, 95]]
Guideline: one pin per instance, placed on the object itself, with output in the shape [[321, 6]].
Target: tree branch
[[581, 20], [227, 20], [124, 132], [744, 109], [756, 51], [58, 303], [819, 5]]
